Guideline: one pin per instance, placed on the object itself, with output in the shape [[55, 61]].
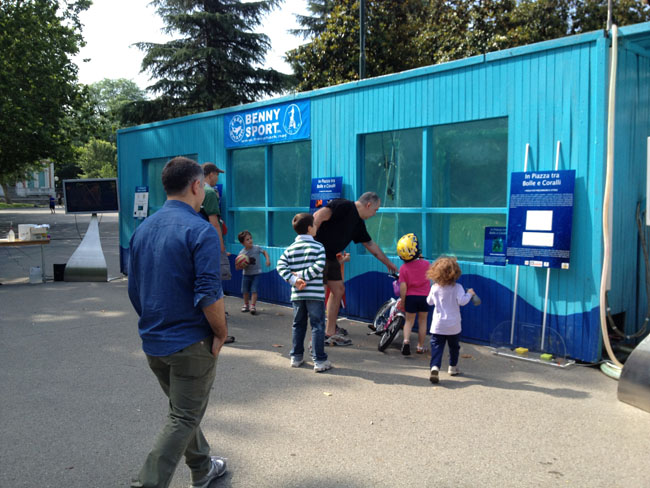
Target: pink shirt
[[414, 274]]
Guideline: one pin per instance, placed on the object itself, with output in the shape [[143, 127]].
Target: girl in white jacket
[[447, 296]]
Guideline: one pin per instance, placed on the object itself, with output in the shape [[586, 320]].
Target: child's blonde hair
[[444, 271]]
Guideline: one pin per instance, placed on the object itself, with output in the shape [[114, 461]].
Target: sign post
[[540, 220]]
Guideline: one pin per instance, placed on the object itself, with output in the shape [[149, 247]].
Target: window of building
[[153, 174], [470, 164], [464, 167], [393, 167], [269, 185]]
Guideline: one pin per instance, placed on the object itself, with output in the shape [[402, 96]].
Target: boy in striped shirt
[[302, 265]]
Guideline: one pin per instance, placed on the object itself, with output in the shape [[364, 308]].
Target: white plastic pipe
[[607, 198]]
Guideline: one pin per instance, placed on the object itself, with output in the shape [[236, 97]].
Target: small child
[[413, 289], [447, 296], [252, 271], [302, 265]]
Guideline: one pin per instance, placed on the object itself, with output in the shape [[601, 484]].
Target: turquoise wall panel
[[628, 291], [552, 91]]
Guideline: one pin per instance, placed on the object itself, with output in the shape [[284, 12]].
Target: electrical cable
[[388, 163], [75, 224]]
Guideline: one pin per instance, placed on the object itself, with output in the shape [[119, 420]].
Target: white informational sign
[[141, 202]]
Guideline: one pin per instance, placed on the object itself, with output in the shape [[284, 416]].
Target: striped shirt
[[306, 258]]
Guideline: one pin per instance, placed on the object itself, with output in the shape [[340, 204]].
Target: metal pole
[[514, 301], [548, 270], [42, 264], [362, 39], [609, 15]]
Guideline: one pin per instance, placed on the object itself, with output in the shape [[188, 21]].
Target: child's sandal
[[244, 308], [421, 349]]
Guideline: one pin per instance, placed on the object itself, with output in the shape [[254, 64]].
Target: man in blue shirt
[[175, 288]]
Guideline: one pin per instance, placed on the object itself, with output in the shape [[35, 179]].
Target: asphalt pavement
[[80, 407]]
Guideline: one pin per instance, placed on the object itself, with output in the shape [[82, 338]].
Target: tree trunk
[[5, 189]]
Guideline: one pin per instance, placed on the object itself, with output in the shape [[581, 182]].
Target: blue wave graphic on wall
[[365, 293]]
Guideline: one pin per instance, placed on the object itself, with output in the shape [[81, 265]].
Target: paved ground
[[80, 408]]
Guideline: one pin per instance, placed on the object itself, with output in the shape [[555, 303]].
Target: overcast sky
[[112, 26]]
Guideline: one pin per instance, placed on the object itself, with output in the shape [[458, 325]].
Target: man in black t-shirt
[[339, 223]]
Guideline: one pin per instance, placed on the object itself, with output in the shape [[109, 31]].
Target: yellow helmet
[[408, 247]]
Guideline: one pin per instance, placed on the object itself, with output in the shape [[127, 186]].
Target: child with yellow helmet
[[414, 287]]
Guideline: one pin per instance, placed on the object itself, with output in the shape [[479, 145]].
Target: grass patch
[[17, 205]]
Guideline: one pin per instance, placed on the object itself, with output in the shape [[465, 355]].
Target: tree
[[214, 63], [98, 159], [38, 82], [314, 25], [412, 33], [109, 97], [535, 21], [591, 15], [332, 56]]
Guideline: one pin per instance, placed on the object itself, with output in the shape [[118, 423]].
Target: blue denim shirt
[[173, 274]]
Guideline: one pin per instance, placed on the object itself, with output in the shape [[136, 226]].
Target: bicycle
[[389, 319]]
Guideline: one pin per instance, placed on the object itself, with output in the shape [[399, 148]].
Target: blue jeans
[[249, 283], [438, 346], [315, 310]]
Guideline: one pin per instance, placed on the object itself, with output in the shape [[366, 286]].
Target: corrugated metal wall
[[552, 91], [628, 293]]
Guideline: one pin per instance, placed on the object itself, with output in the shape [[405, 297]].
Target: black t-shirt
[[344, 226]]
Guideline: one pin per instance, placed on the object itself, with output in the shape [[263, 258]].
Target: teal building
[[439, 144]]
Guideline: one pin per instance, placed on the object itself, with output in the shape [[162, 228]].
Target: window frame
[[426, 208], [268, 210]]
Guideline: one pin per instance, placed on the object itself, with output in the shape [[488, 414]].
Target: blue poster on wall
[[267, 125], [540, 218], [494, 246], [323, 190]]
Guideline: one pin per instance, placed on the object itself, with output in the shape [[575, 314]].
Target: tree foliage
[[108, 99], [315, 24], [98, 159], [406, 34], [213, 63], [38, 82]]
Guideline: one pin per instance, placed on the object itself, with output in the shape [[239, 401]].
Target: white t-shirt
[[446, 315]]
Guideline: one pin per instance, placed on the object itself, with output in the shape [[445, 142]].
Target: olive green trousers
[[186, 377]]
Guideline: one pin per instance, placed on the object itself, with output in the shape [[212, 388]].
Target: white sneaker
[[453, 370], [296, 362], [217, 469], [337, 340], [433, 377], [320, 366]]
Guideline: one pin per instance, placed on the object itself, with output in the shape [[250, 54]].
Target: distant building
[[39, 187]]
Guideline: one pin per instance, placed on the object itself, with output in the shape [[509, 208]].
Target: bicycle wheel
[[381, 317], [391, 331]]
